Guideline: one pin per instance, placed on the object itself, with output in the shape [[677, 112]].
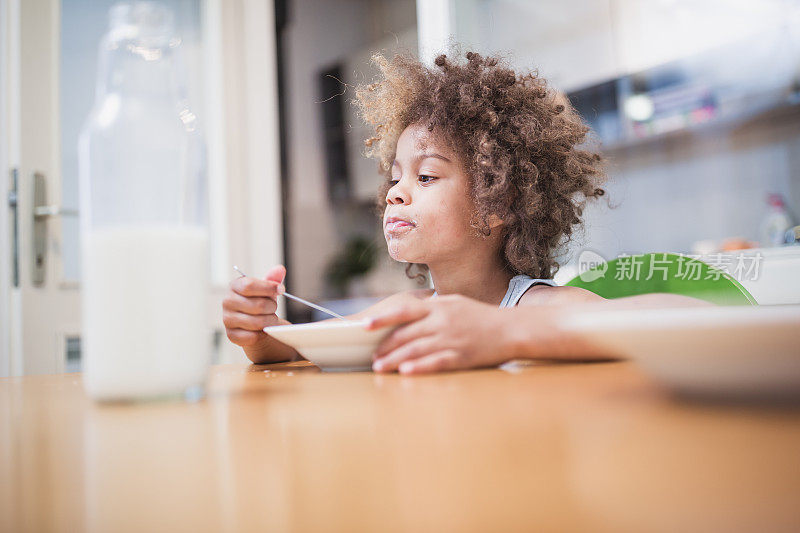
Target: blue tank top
[[517, 287]]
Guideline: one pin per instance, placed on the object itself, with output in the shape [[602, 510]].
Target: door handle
[[41, 212], [13, 201]]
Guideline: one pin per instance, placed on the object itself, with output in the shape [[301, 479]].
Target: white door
[[47, 75]]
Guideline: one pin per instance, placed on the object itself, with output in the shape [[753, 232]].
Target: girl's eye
[[423, 179]]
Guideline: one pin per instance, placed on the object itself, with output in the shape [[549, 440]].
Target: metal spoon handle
[[306, 302], [315, 306]]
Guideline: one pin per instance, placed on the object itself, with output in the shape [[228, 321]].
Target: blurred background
[[696, 104]]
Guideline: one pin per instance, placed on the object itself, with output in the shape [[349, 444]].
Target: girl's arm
[[554, 305], [455, 332]]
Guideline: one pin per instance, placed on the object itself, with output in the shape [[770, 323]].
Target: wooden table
[[585, 447]]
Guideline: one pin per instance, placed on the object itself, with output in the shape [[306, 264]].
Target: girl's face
[[428, 208]]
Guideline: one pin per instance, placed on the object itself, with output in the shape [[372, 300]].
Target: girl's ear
[[494, 221]]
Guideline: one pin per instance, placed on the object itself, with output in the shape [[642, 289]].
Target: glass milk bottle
[[144, 236]]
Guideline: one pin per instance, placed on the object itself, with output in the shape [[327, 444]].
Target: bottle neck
[[130, 68]]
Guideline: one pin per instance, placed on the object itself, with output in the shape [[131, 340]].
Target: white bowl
[[335, 346], [748, 351]]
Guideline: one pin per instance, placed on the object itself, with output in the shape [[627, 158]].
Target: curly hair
[[520, 142]]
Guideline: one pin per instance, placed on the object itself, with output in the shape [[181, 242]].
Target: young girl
[[486, 178]]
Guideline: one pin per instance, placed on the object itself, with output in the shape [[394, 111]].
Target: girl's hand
[[444, 333], [250, 305]]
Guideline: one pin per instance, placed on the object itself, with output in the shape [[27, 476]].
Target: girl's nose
[[396, 195]]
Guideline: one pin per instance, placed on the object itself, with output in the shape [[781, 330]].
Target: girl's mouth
[[398, 226]]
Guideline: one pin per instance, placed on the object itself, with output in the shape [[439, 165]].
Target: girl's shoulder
[[543, 294]]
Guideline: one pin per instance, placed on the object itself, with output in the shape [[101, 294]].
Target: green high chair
[[663, 272]]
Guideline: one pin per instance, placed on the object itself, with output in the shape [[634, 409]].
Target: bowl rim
[[318, 326]]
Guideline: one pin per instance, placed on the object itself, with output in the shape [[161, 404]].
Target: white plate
[[748, 351], [337, 346]]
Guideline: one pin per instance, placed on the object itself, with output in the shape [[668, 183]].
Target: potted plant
[[349, 266]]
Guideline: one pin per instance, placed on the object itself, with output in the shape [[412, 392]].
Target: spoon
[[293, 297]]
